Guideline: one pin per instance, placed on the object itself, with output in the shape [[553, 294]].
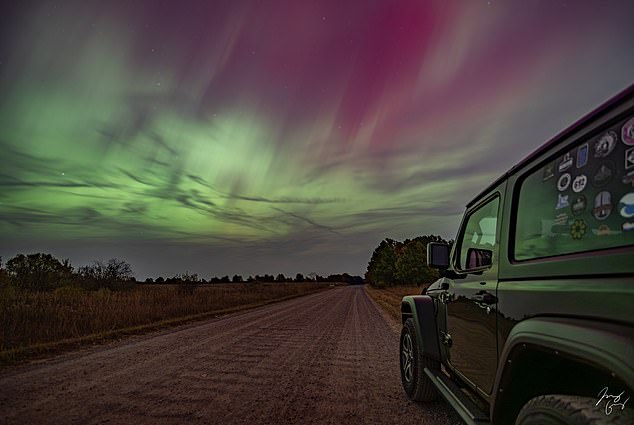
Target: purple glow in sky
[[222, 137]]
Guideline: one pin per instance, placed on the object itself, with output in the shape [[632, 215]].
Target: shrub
[[115, 275], [38, 272]]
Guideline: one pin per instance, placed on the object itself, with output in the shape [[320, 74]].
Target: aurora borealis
[[222, 137]]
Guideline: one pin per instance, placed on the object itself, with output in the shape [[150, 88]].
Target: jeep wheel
[[569, 410], [416, 384]]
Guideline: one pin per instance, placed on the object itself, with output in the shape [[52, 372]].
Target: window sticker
[[629, 158], [587, 201], [579, 183], [578, 229], [604, 174], [561, 219], [565, 163], [562, 201], [582, 155], [560, 225], [603, 230], [579, 205], [602, 205], [564, 182], [549, 171], [627, 132], [626, 205], [605, 145]]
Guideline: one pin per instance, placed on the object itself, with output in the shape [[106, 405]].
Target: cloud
[[307, 220]]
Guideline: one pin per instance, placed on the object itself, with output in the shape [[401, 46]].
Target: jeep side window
[[583, 200], [479, 233]]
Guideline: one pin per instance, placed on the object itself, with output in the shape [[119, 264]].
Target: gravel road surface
[[326, 358]]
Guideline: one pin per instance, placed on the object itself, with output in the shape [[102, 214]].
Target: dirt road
[[329, 358]]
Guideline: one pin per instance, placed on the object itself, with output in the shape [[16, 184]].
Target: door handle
[[444, 297]]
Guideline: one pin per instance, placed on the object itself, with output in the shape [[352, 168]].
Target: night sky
[[222, 137]]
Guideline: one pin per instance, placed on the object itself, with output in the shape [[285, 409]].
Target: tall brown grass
[[32, 318], [390, 298]]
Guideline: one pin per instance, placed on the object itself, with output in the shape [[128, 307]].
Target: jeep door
[[471, 299]]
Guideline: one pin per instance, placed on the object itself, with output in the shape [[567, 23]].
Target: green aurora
[[230, 146]]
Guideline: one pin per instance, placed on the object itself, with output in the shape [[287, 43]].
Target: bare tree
[[113, 275]]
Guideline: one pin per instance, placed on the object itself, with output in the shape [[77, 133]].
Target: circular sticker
[[626, 205], [627, 132], [604, 174], [563, 182], [602, 205], [578, 229], [578, 205], [579, 183], [605, 144]]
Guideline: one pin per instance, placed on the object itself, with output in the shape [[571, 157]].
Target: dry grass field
[[35, 322], [390, 298]]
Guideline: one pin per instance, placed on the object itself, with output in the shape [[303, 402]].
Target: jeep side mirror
[[438, 255], [479, 259]]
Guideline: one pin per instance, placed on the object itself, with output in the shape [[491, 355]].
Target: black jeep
[[532, 321]]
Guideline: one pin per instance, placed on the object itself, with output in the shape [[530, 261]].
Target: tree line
[[402, 263], [43, 272], [299, 277], [392, 263]]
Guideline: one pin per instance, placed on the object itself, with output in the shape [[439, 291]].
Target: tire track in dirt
[[329, 357]]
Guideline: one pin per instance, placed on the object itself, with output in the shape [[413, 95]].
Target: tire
[[416, 384], [570, 410]]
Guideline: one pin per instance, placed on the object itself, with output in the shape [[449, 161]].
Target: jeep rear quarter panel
[[580, 305]]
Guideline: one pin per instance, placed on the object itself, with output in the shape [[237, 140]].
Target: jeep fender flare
[[606, 346], [421, 309]]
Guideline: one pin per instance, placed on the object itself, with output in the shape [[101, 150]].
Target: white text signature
[[611, 400]]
